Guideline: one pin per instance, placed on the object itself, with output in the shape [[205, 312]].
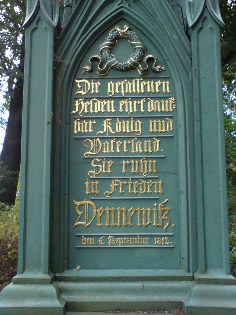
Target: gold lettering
[[142, 166], [114, 185], [160, 215], [91, 187], [122, 241], [97, 145], [100, 212], [163, 213], [110, 217], [161, 105], [140, 186], [158, 187], [83, 126], [161, 126], [93, 106], [85, 87], [121, 126], [157, 216], [100, 167], [88, 240], [130, 106], [143, 186], [146, 216], [139, 223], [131, 212], [94, 145], [137, 86], [121, 217], [85, 214]]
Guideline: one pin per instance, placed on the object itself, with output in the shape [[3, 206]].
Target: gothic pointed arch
[[176, 5], [93, 26], [49, 10], [88, 26], [195, 9]]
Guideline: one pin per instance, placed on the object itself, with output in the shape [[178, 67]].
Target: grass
[[232, 236], [9, 222]]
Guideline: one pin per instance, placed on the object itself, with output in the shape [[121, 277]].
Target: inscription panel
[[123, 171]]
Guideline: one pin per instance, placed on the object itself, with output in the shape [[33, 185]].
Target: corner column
[[32, 291], [213, 291]]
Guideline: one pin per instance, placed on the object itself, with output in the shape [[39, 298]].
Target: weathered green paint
[[31, 291], [195, 275], [31, 299], [35, 184], [116, 258], [209, 136], [163, 49]]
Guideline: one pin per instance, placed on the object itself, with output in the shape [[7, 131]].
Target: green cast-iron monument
[[123, 198]]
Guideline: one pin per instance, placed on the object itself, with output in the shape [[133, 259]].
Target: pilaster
[[31, 290], [213, 274]]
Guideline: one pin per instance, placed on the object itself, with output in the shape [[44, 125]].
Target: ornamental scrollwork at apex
[[138, 60]]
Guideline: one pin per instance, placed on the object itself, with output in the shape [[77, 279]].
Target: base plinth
[[118, 297], [209, 299], [31, 299]]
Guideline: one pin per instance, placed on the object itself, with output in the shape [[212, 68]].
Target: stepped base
[[95, 313], [148, 296], [125, 298]]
